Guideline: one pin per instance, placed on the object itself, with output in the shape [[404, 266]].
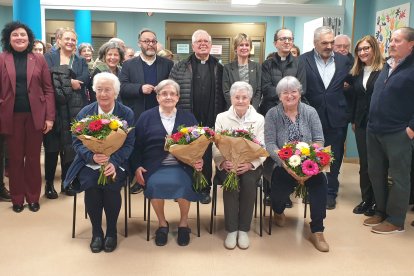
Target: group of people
[[310, 98]]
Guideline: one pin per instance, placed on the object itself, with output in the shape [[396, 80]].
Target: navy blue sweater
[[150, 139], [392, 102]]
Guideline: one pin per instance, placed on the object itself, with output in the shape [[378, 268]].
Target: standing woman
[[85, 50], [70, 76], [111, 56], [243, 69], [39, 47], [367, 66], [27, 110]]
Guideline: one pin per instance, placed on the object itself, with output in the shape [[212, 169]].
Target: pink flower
[[297, 152], [310, 168], [105, 121]]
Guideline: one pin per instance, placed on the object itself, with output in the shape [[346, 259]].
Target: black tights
[[97, 200]]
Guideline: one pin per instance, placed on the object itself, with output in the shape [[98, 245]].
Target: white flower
[[294, 161], [302, 145]]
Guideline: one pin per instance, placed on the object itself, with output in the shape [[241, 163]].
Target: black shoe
[[205, 197], [4, 193], [136, 189], [361, 207], [96, 244], [161, 235], [50, 191], [70, 191], [183, 238], [18, 208], [110, 244], [412, 223], [267, 201], [34, 207], [330, 203], [370, 211], [289, 204]]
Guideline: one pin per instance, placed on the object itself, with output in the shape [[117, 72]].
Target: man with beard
[[140, 75], [327, 71], [200, 79]]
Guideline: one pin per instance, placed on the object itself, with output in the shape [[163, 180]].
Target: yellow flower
[[113, 125], [305, 151], [184, 130]]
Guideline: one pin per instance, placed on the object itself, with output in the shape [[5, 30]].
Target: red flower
[[324, 158], [285, 153], [95, 125], [177, 136]]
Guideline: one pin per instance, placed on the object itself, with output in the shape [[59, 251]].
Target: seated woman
[[238, 205], [291, 121], [84, 171], [162, 176]]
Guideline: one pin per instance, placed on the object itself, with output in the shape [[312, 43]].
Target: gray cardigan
[[276, 133]]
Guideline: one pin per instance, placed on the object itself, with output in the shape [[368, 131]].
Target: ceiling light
[[245, 2]]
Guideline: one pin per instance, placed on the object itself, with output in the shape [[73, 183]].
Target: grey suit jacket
[[231, 75]]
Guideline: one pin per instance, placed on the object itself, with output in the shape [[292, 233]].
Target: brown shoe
[[373, 221], [319, 241], [280, 219], [387, 228]]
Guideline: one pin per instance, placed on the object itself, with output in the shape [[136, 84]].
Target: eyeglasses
[[365, 49], [342, 46], [285, 39], [292, 92], [168, 94], [149, 42], [202, 41]]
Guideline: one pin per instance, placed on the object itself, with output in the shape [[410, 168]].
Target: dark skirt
[[88, 178], [170, 182]]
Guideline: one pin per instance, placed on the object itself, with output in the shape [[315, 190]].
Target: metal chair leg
[[213, 204], [260, 211], [126, 208], [145, 208], [129, 200], [270, 220], [74, 216], [148, 218], [198, 218]]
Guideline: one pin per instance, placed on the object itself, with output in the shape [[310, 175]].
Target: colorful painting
[[387, 21]]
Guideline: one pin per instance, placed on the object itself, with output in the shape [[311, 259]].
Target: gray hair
[[165, 83], [85, 45], [146, 30], [408, 33], [241, 86], [288, 83], [321, 31], [344, 36], [197, 33], [107, 76]]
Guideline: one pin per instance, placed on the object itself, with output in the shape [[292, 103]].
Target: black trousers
[[283, 185], [51, 160], [99, 199], [208, 167]]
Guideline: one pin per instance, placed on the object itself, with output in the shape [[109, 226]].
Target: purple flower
[[195, 134], [187, 138]]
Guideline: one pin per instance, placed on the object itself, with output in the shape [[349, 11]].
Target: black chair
[[259, 192], [148, 217], [126, 192]]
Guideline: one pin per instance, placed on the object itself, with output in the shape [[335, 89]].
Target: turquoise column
[[28, 12], [83, 26]]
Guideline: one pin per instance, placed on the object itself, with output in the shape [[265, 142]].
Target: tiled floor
[[41, 244]]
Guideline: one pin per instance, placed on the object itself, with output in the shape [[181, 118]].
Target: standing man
[[342, 45], [281, 64], [326, 71], [139, 77], [390, 134], [200, 79]]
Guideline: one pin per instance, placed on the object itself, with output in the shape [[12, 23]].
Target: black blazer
[[362, 98], [132, 78], [231, 75], [330, 103]]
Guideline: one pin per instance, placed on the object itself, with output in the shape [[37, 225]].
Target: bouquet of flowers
[[302, 161], [189, 145], [103, 133], [238, 146]]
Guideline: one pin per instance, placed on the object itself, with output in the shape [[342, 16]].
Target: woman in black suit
[[367, 66], [70, 76], [243, 69]]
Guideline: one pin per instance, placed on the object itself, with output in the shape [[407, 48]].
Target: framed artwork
[[387, 21]]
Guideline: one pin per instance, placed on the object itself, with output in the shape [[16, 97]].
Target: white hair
[[241, 86], [198, 33], [321, 31], [107, 76]]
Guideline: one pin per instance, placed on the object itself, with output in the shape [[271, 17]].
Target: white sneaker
[[231, 240], [243, 240]]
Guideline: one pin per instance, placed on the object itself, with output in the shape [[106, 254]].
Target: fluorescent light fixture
[[245, 2]]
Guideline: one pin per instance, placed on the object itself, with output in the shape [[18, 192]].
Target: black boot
[[50, 191], [69, 191]]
